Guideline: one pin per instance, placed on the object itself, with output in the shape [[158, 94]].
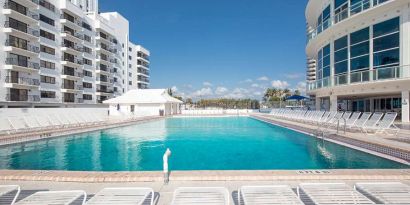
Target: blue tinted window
[[359, 36], [359, 49], [326, 72], [326, 50], [339, 3], [386, 57], [319, 64], [326, 13], [341, 55], [341, 43], [386, 42], [341, 67], [390, 26], [326, 61], [359, 63]]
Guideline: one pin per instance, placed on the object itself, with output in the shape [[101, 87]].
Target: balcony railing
[[77, 22], [344, 14], [22, 63], [72, 87], [22, 98], [75, 34], [73, 60], [375, 75], [28, 13], [102, 80], [72, 73], [24, 29], [74, 47], [27, 47], [22, 81], [105, 91]]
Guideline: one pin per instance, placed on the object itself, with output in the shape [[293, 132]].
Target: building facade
[[362, 54], [64, 53]]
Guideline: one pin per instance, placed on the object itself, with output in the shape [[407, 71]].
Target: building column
[[405, 107], [333, 103], [317, 103]]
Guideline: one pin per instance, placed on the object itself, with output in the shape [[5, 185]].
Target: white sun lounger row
[[367, 122], [306, 193]]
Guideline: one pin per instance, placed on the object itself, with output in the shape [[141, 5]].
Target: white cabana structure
[[144, 102]]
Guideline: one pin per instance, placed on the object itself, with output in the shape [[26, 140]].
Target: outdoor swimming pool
[[226, 143]]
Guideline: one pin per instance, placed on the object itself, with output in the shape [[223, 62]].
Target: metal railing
[[74, 47], [105, 91], [73, 60], [22, 81], [75, 34], [72, 87], [344, 14], [24, 29], [28, 13], [72, 73], [27, 47], [22, 98], [77, 22], [22, 63], [377, 74]]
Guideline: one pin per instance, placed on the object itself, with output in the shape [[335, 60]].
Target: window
[[47, 79], [87, 85], [68, 17], [48, 50], [87, 38], [323, 62], [47, 5], [47, 20], [130, 49], [130, 74], [386, 43], [87, 26], [87, 97], [48, 65], [129, 57], [340, 56], [130, 83], [17, 42], [87, 50], [323, 21], [48, 94], [47, 35], [87, 61], [87, 73], [359, 50], [17, 7], [18, 25]]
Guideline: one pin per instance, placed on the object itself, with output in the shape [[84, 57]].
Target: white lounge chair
[[275, 194], [331, 193], [201, 195], [384, 125], [372, 122], [385, 192], [53, 197], [8, 189], [124, 196], [361, 121]]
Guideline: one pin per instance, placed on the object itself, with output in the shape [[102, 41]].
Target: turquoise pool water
[[234, 143]]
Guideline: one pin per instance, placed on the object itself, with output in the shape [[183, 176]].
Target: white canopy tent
[[144, 102]]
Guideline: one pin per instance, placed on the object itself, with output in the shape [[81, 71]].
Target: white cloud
[[207, 84], [174, 88], [293, 76], [301, 86], [280, 84], [263, 78], [255, 85], [204, 92], [221, 90]]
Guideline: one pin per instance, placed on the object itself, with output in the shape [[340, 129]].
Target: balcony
[[143, 65], [143, 56], [104, 92], [72, 62], [361, 77], [344, 14], [143, 79], [75, 24], [21, 65], [21, 31], [28, 3], [73, 36], [22, 98], [20, 82], [27, 16], [71, 88], [71, 74], [17, 47], [73, 49]]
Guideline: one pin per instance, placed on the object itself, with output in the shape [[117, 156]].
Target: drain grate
[[313, 172]]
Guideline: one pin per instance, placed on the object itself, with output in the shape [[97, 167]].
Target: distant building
[[362, 55], [65, 53]]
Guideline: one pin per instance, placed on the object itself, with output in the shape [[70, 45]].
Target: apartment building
[[65, 53], [362, 54]]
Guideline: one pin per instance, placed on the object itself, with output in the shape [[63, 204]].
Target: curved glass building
[[362, 53]]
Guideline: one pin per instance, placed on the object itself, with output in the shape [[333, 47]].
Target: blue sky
[[219, 48]]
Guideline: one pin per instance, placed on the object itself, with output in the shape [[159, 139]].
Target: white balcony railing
[[342, 15], [375, 75]]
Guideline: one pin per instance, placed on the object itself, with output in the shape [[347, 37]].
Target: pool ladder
[[327, 130]]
